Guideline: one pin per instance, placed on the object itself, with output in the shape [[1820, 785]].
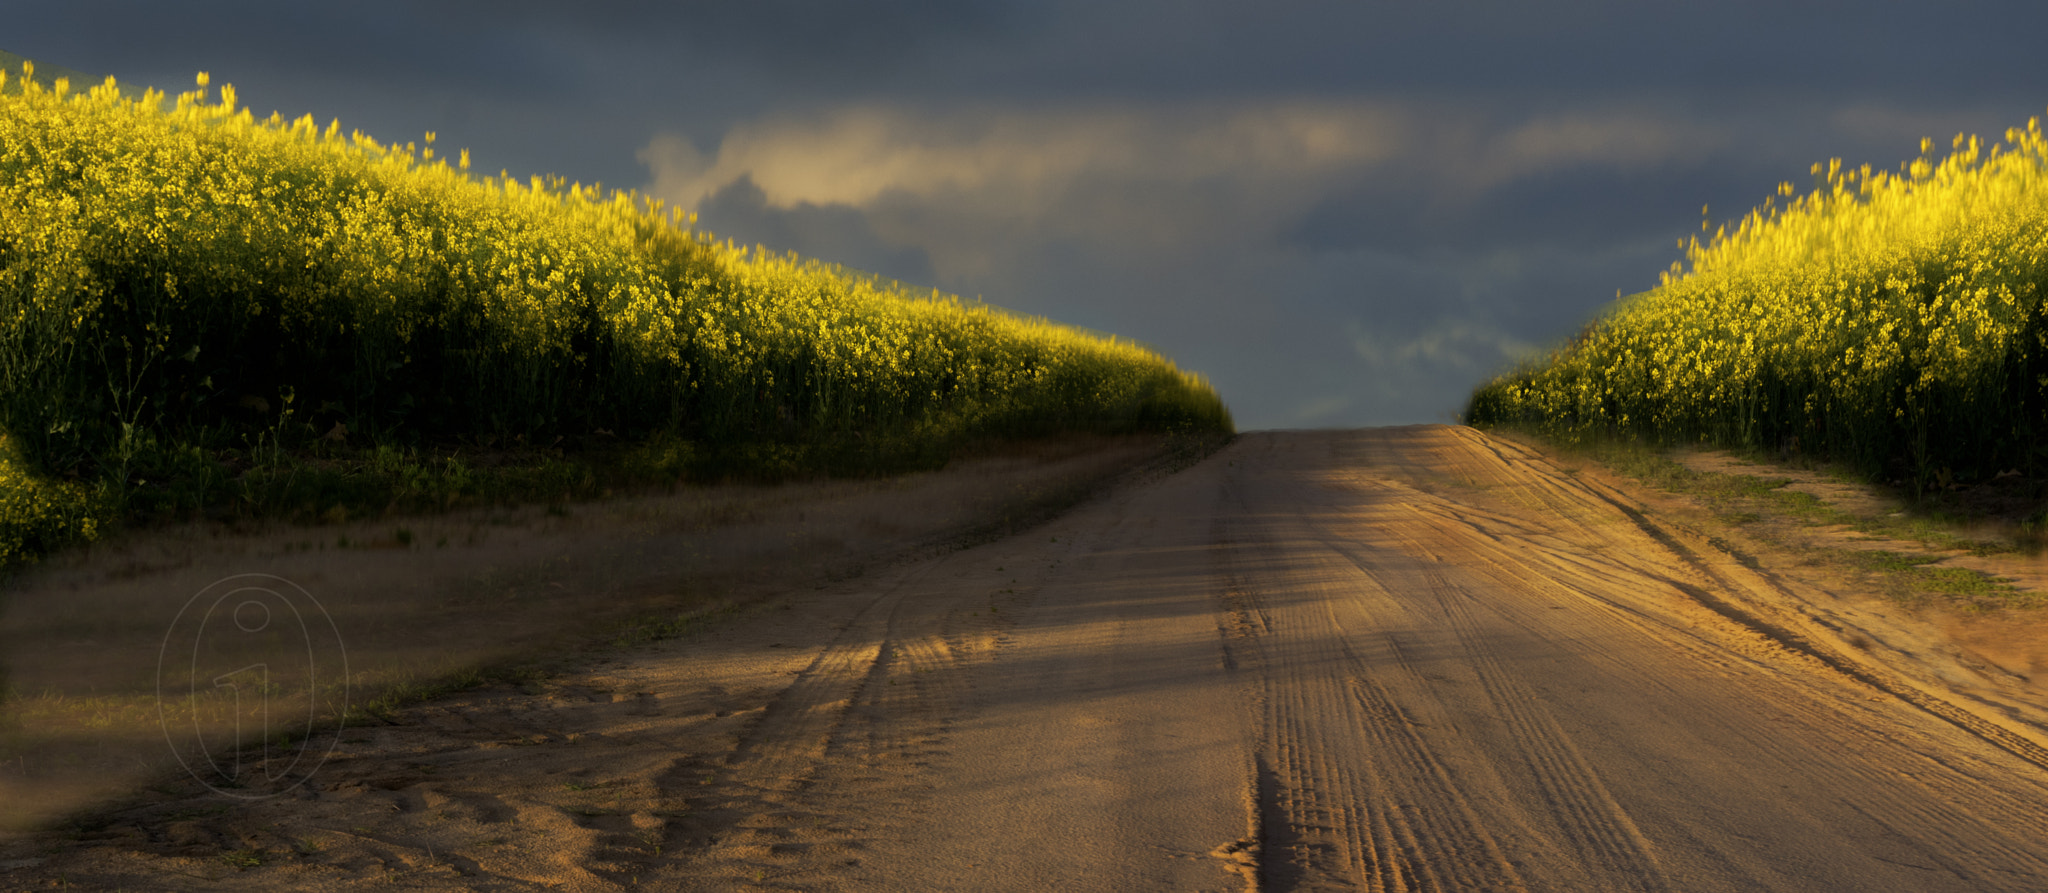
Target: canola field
[[1890, 321], [183, 277]]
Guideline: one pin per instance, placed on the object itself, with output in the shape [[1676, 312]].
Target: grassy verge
[[1766, 510], [322, 482]]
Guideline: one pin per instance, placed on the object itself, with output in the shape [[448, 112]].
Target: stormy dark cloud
[[827, 231], [1342, 213]]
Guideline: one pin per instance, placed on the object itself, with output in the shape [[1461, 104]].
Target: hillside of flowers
[[1893, 322], [182, 279]]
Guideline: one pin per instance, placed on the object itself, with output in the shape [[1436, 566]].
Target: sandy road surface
[[1395, 659]]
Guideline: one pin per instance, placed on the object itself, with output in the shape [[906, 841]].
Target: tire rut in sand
[[1400, 629], [1591, 822], [1348, 795], [1871, 787], [763, 809], [1719, 586]]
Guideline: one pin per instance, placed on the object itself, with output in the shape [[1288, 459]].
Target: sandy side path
[[1393, 659]]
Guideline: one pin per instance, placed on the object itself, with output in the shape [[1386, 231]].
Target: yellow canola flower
[[496, 304], [1886, 319]]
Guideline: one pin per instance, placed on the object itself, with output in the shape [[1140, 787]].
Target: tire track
[[1594, 824], [1579, 587], [1384, 816], [1587, 817], [760, 791], [1722, 595], [1927, 808], [794, 731]]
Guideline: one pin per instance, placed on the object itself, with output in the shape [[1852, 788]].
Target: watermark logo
[[252, 685]]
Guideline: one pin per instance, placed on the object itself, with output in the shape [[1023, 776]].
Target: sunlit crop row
[[1894, 321], [177, 270]]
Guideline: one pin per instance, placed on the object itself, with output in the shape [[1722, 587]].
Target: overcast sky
[[1342, 213]]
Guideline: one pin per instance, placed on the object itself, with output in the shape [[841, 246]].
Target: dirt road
[[1393, 659]]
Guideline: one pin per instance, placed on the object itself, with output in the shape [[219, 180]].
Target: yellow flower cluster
[[1891, 320], [179, 269]]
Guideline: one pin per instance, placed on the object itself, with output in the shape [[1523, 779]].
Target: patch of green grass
[[1749, 499], [244, 859], [392, 697], [644, 630], [1931, 529], [1956, 584], [1894, 562], [1962, 581]]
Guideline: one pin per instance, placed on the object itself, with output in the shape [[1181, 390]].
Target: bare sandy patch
[[126, 659]]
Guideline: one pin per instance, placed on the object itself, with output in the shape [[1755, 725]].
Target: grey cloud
[[1750, 48], [393, 46], [837, 234], [1577, 205], [1747, 49], [825, 46]]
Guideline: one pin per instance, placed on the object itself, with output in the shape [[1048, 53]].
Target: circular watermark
[[252, 686]]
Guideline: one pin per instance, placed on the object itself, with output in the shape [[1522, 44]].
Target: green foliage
[[38, 514], [246, 858], [190, 296], [1891, 322]]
